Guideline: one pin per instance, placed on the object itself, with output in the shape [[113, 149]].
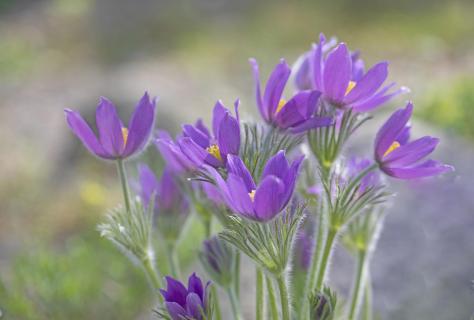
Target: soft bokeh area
[[67, 53]]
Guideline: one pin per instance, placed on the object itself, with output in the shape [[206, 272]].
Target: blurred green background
[[67, 53]]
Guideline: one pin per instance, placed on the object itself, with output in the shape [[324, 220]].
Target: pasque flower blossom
[[186, 303], [115, 140], [260, 202], [401, 159], [339, 76], [168, 196], [296, 115], [196, 146]]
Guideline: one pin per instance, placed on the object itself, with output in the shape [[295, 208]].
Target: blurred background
[[66, 53]]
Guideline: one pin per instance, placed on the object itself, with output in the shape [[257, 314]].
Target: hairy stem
[[366, 312], [259, 298], [272, 298], [124, 182], [217, 306], [359, 283], [152, 275], [322, 269], [284, 298], [234, 302]]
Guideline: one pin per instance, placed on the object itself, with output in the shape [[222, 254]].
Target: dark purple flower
[[186, 303], [260, 202], [115, 141], [224, 140], [401, 159], [169, 198], [295, 115], [339, 76]]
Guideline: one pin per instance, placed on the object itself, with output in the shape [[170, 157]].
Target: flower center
[[350, 86], [280, 105], [125, 135], [395, 145], [252, 195], [214, 151]]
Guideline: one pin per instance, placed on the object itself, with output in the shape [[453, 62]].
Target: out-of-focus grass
[[452, 107], [87, 278]]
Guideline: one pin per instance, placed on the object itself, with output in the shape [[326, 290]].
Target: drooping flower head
[[186, 303], [260, 202], [218, 259], [197, 146], [114, 139], [168, 196], [401, 159], [296, 115], [339, 76]]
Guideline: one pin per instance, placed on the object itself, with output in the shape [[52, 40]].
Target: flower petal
[[176, 311], [277, 166], [82, 130], [109, 126], [317, 63], [337, 73], [193, 151], [148, 183], [236, 166], [426, 169], [369, 83], [275, 86], [175, 292], [195, 285], [258, 93], [218, 114], [240, 196], [197, 135], [268, 198], [290, 178], [298, 109], [140, 126], [311, 123], [194, 306], [391, 129], [228, 138], [378, 99], [408, 154]]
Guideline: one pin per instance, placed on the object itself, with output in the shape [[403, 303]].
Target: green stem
[[315, 264], [123, 180], [259, 298], [366, 312], [321, 274], [284, 298], [234, 302], [237, 273], [359, 282], [152, 275], [217, 306], [173, 261], [272, 299]]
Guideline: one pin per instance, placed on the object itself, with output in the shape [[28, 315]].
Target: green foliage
[[452, 108], [86, 279]]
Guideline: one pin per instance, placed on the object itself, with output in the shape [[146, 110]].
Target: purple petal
[[176, 311], [239, 195], [337, 73], [148, 183], [193, 151], [277, 166], [298, 109], [202, 127], [378, 99], [198, 136], [109, 126], [268, 198], [82, 130], [275, 86], [175, 291], [426, 169], [195, 285], [228, 138], [404, 136], [410, 153], [303, 72], [311, 123], [194, 306], [290, 179], [174, 157], [218, 114], [221, 187], [369, 83], [236, 166], [258, 93], [169, 193], [317, 63], [140, 126], [391, 130]]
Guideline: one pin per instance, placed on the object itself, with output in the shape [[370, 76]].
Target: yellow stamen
[[214, 151], [252, 195], [350, 86], [280, 105], [394, 146], [125, 135]]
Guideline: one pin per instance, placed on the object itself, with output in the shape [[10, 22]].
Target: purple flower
[[355, 166], [401, 159], [225, 138], [115, 141], [295, 115], [260, 202], [340, 77], [186, 303], [169, 198]]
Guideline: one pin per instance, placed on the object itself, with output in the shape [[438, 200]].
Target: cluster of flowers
[[244, 176]]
